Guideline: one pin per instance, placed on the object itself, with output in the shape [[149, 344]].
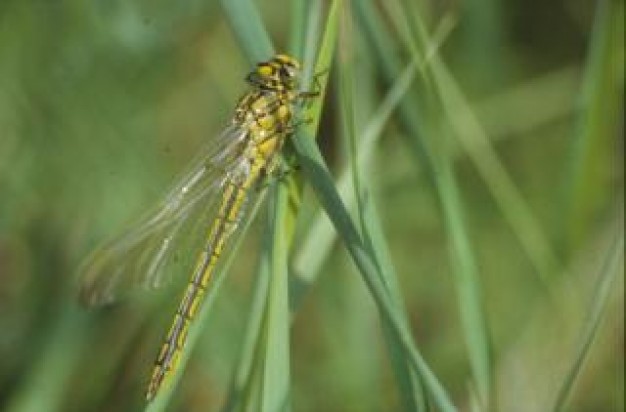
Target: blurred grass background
[[507, 207]]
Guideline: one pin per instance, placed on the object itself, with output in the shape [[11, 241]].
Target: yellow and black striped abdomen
[[232, 204]]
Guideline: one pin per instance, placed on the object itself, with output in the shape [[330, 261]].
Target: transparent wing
[[137, 257]]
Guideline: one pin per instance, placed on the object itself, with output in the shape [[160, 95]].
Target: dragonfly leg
[[308, 96], [277, 170]]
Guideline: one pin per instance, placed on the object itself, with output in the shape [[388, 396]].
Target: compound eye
[[287, 71]]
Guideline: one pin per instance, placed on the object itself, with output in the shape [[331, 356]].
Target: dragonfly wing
[[138, 256]]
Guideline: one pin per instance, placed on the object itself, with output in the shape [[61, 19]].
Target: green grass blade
[[313, 114], [318, 242], [440, 169], [512, 204], [468, 285], [553, 87], [475, 142], [322, 66], [250, 398], [240, 392], [409, 383], [245, 21], [318, 176], [467, 277], [298, 27], [275, 392], [604, 286], [384, 48], [312, 39], [317, 245], [598, 125], [347, 114]]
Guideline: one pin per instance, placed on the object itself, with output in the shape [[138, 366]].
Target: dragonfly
[[215, 194]]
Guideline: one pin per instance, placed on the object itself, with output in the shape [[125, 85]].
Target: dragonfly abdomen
[[231, 207]]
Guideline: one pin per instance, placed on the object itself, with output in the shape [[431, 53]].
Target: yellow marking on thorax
[[260, 104], [270, 146], [283, 113]]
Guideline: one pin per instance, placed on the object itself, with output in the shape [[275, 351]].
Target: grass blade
[[318, 176], [409, 383], [298, 27], [429, 146], [318, 243], [604, 286], [515, 209], [240, 392], [275, 389], [597, 129], [248, 28]]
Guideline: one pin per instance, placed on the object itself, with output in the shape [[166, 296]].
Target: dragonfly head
[[280, 73]]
